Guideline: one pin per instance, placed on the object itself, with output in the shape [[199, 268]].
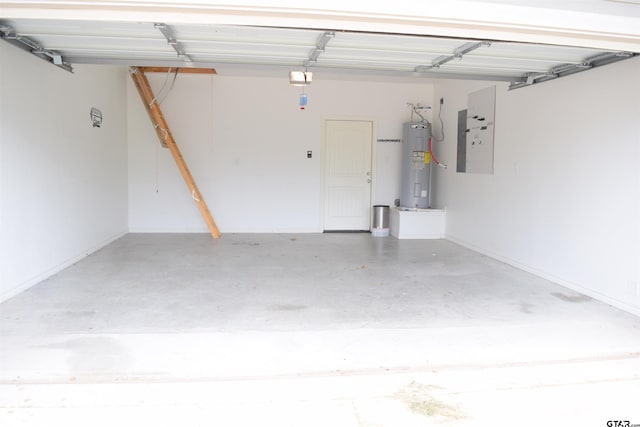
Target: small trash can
[[380, 226]]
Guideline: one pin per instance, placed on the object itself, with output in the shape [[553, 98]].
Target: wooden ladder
[[166, 138]]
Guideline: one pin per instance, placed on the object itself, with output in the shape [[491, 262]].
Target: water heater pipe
[[433, 156]]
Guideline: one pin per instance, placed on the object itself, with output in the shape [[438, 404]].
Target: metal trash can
[[380, 226]]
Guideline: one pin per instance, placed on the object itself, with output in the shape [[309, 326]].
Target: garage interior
[[120, 307]]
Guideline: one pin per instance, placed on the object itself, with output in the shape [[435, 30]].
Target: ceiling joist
[[187, 70]]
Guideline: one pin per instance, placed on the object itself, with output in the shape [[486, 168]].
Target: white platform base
[[417, 223]]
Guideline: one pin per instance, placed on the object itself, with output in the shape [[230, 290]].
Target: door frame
[[323, 162]]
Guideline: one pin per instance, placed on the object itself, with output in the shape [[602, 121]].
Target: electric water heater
[[416, 165]]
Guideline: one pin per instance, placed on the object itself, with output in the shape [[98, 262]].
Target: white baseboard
[[229, 231], [9, 293], [275, 230], [143, 230], [546, 275]]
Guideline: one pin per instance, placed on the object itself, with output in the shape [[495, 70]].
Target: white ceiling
[[256, 41]]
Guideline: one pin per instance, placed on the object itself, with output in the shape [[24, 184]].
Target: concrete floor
[[332, 329]]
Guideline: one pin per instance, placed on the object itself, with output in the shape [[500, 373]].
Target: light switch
[[309, 154]]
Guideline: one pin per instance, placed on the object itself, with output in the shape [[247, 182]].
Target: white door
[[347, 204]]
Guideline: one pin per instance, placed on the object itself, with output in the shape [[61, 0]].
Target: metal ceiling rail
[[25, 43], [167, 31], [141, 44], [563, 70], [321, 44], [458, 53]]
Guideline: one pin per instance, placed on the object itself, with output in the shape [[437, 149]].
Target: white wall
[[564, 199], [245, 142], [63, 183]]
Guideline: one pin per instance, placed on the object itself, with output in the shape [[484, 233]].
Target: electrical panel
[[480, 131]]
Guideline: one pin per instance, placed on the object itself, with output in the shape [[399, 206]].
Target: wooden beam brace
[[148, 99], [186, 70], [166, 138]]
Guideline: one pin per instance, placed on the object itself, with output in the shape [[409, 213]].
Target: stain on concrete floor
[[287, 307], [526, 308], [572, 297], [421, 399]]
